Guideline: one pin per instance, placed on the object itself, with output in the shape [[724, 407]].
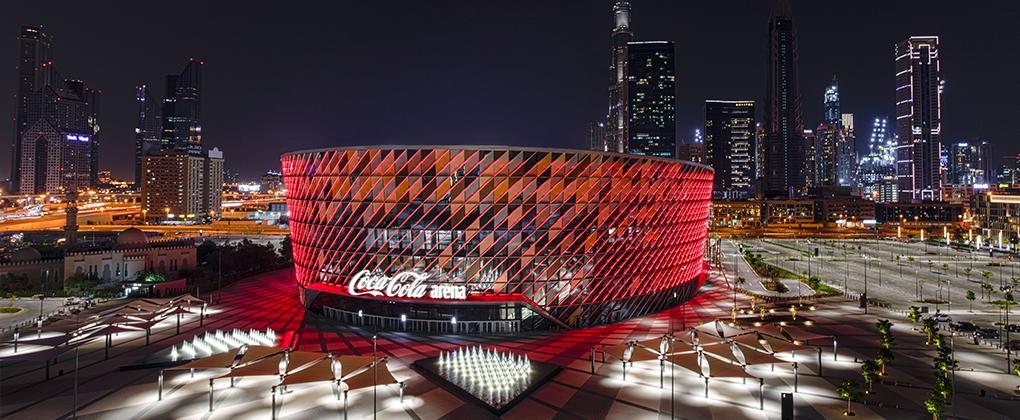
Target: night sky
[[300, 75]]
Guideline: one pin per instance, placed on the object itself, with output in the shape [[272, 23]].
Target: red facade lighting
[[557, 229]]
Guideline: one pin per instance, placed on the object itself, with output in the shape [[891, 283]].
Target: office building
[[35, 60], [784, 127], [970, 163], [616, 118], [651, 99], [179, 187], [918, 119], [880, 160], [148, 129], [729, 147], [56, 123], [181, 110]]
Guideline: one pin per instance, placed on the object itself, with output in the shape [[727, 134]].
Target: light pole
[[375, 374], [865, 300]]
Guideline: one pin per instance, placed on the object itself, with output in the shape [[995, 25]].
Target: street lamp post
[[375, 373], [865, 300]]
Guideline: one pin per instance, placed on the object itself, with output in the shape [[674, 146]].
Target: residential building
[[179, 187]]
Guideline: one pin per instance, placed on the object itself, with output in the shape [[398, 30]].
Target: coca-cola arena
[[491, 239]]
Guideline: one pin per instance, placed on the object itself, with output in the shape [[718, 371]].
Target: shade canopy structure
[[781, 346], [109, 329], [755, 357], [641, 354], [157, 301], [680, 346], [187, 297], [773, 331], [351, 364], [367, 379], [269, 366], [297, 359], [254, 353], [319, 371], [654, 344], [690, 361], [216, 361], [803, 336], [752, 340], [117, 319], [176, 310], [720, 368], [719, 329], [49, 340]]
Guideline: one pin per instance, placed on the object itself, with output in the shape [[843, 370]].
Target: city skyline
[[568, 91]]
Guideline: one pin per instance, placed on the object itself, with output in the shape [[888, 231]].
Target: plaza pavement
[[270, 301]]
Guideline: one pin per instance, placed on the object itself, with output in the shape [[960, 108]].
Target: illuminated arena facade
[[494, 239]]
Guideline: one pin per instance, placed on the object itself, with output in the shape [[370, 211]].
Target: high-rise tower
[[784, 126], [651, 99], [617, 119], [148, 129], [918, 119], [35, 60], [729, 146], [182, 106]]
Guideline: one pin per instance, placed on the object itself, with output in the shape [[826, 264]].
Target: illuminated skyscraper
[[825, 154], [831, 101], [880, 161], [35, 59], [181, 110], [148, 129], [918, 119], [616, 119], [729, 147], [846, 152], [784, 126], [651, 102], [970, 163]]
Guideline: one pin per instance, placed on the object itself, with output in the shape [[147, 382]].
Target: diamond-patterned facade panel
[[567, 231]]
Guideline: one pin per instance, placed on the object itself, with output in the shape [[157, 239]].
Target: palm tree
[[869, 371], [936, 405], [914, 314], [970, 297], [847, 389], [884, 358]]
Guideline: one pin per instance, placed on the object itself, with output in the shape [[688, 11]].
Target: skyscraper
[[180, 187], [616, 119], [831, 101], [651, 99], [182, 106], [846, 152], [56, 124], [970, 163], [148, 129], [918, 119], [825, 154], [729, 146], [784, 126], [880, 161], [35, 57]]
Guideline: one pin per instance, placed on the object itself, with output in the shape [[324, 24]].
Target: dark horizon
[[516, 73]]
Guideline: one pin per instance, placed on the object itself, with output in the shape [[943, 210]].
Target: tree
[[869, 371], [847, 389], [970, 297], [930, 327], [884, 358], [915, 314], [935, 404]]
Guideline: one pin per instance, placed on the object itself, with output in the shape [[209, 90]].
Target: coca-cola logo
[[405, 284]]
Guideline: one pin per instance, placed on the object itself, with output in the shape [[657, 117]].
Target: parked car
[[1013, 345], [987, 333], [941, 317], [963, 326], [1013, 328]]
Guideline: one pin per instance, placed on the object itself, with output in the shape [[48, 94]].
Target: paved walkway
[[270, 300]]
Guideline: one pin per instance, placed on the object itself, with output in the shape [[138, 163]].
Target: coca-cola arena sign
[[405, 284]]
